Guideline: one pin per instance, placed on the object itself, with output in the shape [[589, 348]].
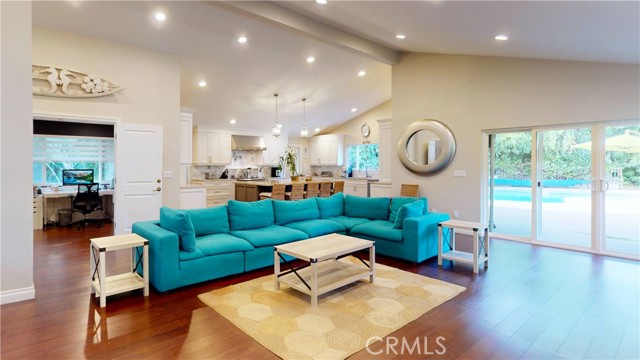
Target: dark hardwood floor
[[532, 302]]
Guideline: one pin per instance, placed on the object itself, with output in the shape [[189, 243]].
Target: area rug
[[345, 320]]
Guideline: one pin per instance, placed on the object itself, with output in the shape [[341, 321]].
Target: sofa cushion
[[368, 208], [292, 211], [216, 244], [213, 220], [179, 222], [317, 227], [349, 222], [406, 211], [331, 206], [378, 229], [250, 215], [270, 235], [398, 202]]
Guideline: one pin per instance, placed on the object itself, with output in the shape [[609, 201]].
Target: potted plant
[[288, 159]]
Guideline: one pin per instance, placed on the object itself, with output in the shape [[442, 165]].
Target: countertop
[[192, 186]]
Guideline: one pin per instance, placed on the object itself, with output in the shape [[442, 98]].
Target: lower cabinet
[[219, 193], [37, 212], [246, 192], [192, 198], [356, 188], [379, 190]]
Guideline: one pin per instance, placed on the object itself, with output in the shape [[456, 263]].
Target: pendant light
[[277, 128], [304, 132]]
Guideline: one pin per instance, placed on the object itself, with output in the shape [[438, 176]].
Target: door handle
[[158, 189], [158, 181]]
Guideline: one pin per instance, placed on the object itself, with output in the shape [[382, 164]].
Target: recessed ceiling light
[[354, 109], [311, 59], [400, 36], [202, 83], [322, 2], [160, 16], [501, 37], [362, 73], [316, 130], [242, 39], [232, 121]]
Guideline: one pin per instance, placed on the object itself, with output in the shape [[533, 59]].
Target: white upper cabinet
[[275, 147], [186, 133], [327, 150], [210, 147]]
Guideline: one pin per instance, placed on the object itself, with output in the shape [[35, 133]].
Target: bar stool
[[312, 189], [297, 191], [409, 190], [325, 189], [277, 193], [338, 187]]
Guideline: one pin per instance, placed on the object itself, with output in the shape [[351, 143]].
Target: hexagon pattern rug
[[345, 320]]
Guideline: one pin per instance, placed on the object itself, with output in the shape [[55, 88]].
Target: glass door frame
[[598, 184]]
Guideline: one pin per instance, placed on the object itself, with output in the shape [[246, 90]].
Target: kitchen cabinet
[[211, 147], [192, 198], [186, 136], [275, 147], [246, 192], [219, 193], [379, 189], [356, 187], [326, 150]]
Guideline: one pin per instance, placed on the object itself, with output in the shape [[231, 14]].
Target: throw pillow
[[406, 211], [180, 223], [398, 202]]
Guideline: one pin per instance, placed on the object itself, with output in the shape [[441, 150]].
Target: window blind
[[78, 149]]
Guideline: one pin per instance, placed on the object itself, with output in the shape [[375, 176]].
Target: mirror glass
[[426, 147]]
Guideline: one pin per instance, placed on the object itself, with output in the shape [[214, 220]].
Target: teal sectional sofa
[[191, 246]]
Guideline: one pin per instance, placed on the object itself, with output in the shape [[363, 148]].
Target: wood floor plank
[[531, 303]]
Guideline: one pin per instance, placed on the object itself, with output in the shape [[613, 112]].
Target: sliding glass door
[[575, 187], [564, 187]]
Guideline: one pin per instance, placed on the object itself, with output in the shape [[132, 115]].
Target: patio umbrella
[[628, 142]]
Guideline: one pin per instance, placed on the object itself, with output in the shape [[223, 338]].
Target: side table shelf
[[480, 254], [103, 285]]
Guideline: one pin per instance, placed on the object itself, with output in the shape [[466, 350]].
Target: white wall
[[16, 129], [151, 95], [474, 93]]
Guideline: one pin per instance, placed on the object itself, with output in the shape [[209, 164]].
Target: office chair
[[87, 200]]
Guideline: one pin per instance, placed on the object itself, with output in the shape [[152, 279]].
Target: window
[[51, 154], [363, 157]]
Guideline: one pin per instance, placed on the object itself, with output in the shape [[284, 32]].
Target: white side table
[[103, 285], [480, 248]]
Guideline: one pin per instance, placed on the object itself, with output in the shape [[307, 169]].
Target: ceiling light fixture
[[160, 16], [501, 37], [400, 36], [311, 59], [317, 130], [304, 132], [354, 109], [233, 121], [321, 2], [362, 73], [242, 39], [202, 83], [276, 130]]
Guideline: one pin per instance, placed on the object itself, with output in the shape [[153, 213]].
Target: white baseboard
[[15, 295]]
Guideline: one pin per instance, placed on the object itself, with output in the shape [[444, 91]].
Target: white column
[[386, 149]]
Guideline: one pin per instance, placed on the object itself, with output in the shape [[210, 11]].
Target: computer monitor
[[77, 176]]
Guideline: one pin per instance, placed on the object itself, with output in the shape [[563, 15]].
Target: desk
[[68, 193]]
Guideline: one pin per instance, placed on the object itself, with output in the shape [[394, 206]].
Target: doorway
[[571, 187]]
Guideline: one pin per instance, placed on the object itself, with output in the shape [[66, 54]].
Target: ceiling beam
[[276, 14]]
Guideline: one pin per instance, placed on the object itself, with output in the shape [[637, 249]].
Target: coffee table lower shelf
[[332, 274]]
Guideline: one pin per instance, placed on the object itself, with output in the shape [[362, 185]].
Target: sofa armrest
[[164, 259], [420, 236]]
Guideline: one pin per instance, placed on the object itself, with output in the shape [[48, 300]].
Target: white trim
[[15, 295], [76, 118]]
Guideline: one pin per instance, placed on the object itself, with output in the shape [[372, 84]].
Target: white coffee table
[[323, 272]]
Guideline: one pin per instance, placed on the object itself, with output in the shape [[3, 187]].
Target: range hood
[[247, 143]]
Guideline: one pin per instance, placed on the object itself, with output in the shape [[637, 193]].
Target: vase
[[295, 178]]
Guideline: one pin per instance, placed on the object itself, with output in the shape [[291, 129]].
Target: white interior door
[[138, 188]]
